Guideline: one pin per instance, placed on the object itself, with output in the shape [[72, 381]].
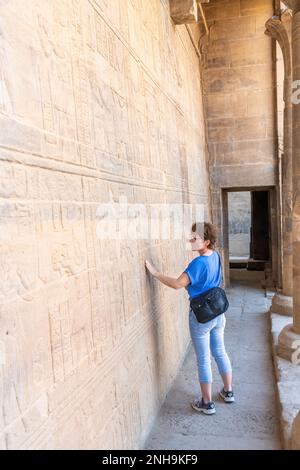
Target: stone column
[[296, 173], [279, 29], [296, 433], [289, 338]]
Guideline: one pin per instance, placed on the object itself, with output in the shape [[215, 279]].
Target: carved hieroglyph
[[98, 100]]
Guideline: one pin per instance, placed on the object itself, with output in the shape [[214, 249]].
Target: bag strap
[[221, 267]]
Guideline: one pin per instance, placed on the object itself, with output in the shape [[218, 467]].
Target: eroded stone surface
[[93, 107], [99, 102]]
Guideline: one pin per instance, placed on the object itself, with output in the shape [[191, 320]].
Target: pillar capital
[[279, 29], [184, 11]]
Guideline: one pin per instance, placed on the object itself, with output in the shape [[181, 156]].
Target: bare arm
[[182, 281]]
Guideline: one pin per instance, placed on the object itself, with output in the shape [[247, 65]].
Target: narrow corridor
[[250, 423]]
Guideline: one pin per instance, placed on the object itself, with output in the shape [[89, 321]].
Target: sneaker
[[206, 408], [228, 396]]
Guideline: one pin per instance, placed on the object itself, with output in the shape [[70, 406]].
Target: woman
[[203, 273]]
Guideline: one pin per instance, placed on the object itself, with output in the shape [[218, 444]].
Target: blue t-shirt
[[204, 272]]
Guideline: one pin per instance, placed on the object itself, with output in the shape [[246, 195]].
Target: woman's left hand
[[152, 269]]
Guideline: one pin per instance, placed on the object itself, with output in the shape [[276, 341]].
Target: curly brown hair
[[207, 231]]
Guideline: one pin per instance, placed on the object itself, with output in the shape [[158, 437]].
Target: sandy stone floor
[[250, 423]]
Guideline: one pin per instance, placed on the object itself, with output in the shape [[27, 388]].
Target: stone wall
[[239, 223], [239, 84], [99, 99]]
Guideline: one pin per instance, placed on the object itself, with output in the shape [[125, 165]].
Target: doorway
[[239, 227], [250, 231], [260, 248]]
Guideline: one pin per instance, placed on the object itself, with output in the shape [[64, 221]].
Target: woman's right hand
[[152, 269]]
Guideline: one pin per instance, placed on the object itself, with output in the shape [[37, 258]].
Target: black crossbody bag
[[210, 304]]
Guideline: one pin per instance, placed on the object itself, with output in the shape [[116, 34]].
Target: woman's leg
[[219, 352], [227, 381], [206, 392], [200, 338]]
